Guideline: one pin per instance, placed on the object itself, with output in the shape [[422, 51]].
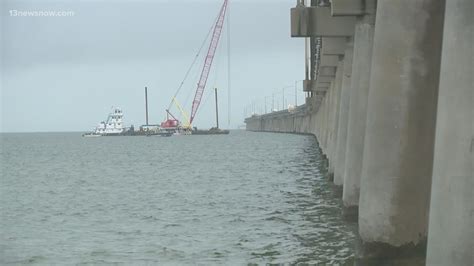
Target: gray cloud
[[111, 47]]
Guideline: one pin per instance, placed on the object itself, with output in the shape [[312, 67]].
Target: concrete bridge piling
[[363, 43], [390, 99], [401, 115], [451, 223], [343, 114]]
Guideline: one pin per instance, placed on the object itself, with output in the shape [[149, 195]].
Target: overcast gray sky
[[65, 73]]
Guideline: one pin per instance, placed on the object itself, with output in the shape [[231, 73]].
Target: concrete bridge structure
[[390, 98]]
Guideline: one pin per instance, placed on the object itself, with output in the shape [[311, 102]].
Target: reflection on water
[[324, 237], [237, 199]]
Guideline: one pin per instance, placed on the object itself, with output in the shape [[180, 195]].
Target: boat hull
[[91, 135], [211, 132]]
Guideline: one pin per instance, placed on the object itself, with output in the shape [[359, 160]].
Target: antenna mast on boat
[[217, 109], [208, 61], [146, 105], [228, 69]]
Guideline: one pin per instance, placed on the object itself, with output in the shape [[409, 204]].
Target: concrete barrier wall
[[298, 122]]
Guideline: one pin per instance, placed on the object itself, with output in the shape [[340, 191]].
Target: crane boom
[[208, 61], [183, 113]]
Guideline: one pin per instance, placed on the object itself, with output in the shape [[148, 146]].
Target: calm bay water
[[236, 199]]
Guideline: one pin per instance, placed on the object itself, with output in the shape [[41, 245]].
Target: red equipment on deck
[[170, 123]]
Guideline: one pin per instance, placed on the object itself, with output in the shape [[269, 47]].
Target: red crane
[[208, 62]]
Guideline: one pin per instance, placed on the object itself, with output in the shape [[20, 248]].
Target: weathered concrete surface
[[327, 117], [317, 21], [343, 115], [347, 7], [401, 115], [362, 61], [335, 117], [334, 45], [322, 125], [451, 228]]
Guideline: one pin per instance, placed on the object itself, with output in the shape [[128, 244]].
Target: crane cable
[[192, 64]]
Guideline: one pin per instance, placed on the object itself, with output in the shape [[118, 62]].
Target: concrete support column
[[335, 117], [401, 115], [451, 230], [362, 61], [343, 115], [317, 117], [328, 120], [323, 125], [315, 124], [329, 96], [322, 118], [327, 114]]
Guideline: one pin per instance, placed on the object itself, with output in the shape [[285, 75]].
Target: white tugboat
[[113, 126]]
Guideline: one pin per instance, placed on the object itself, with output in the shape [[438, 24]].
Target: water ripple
[[246, 198]]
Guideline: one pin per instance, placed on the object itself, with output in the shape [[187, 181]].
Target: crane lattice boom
[[208, 61]]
